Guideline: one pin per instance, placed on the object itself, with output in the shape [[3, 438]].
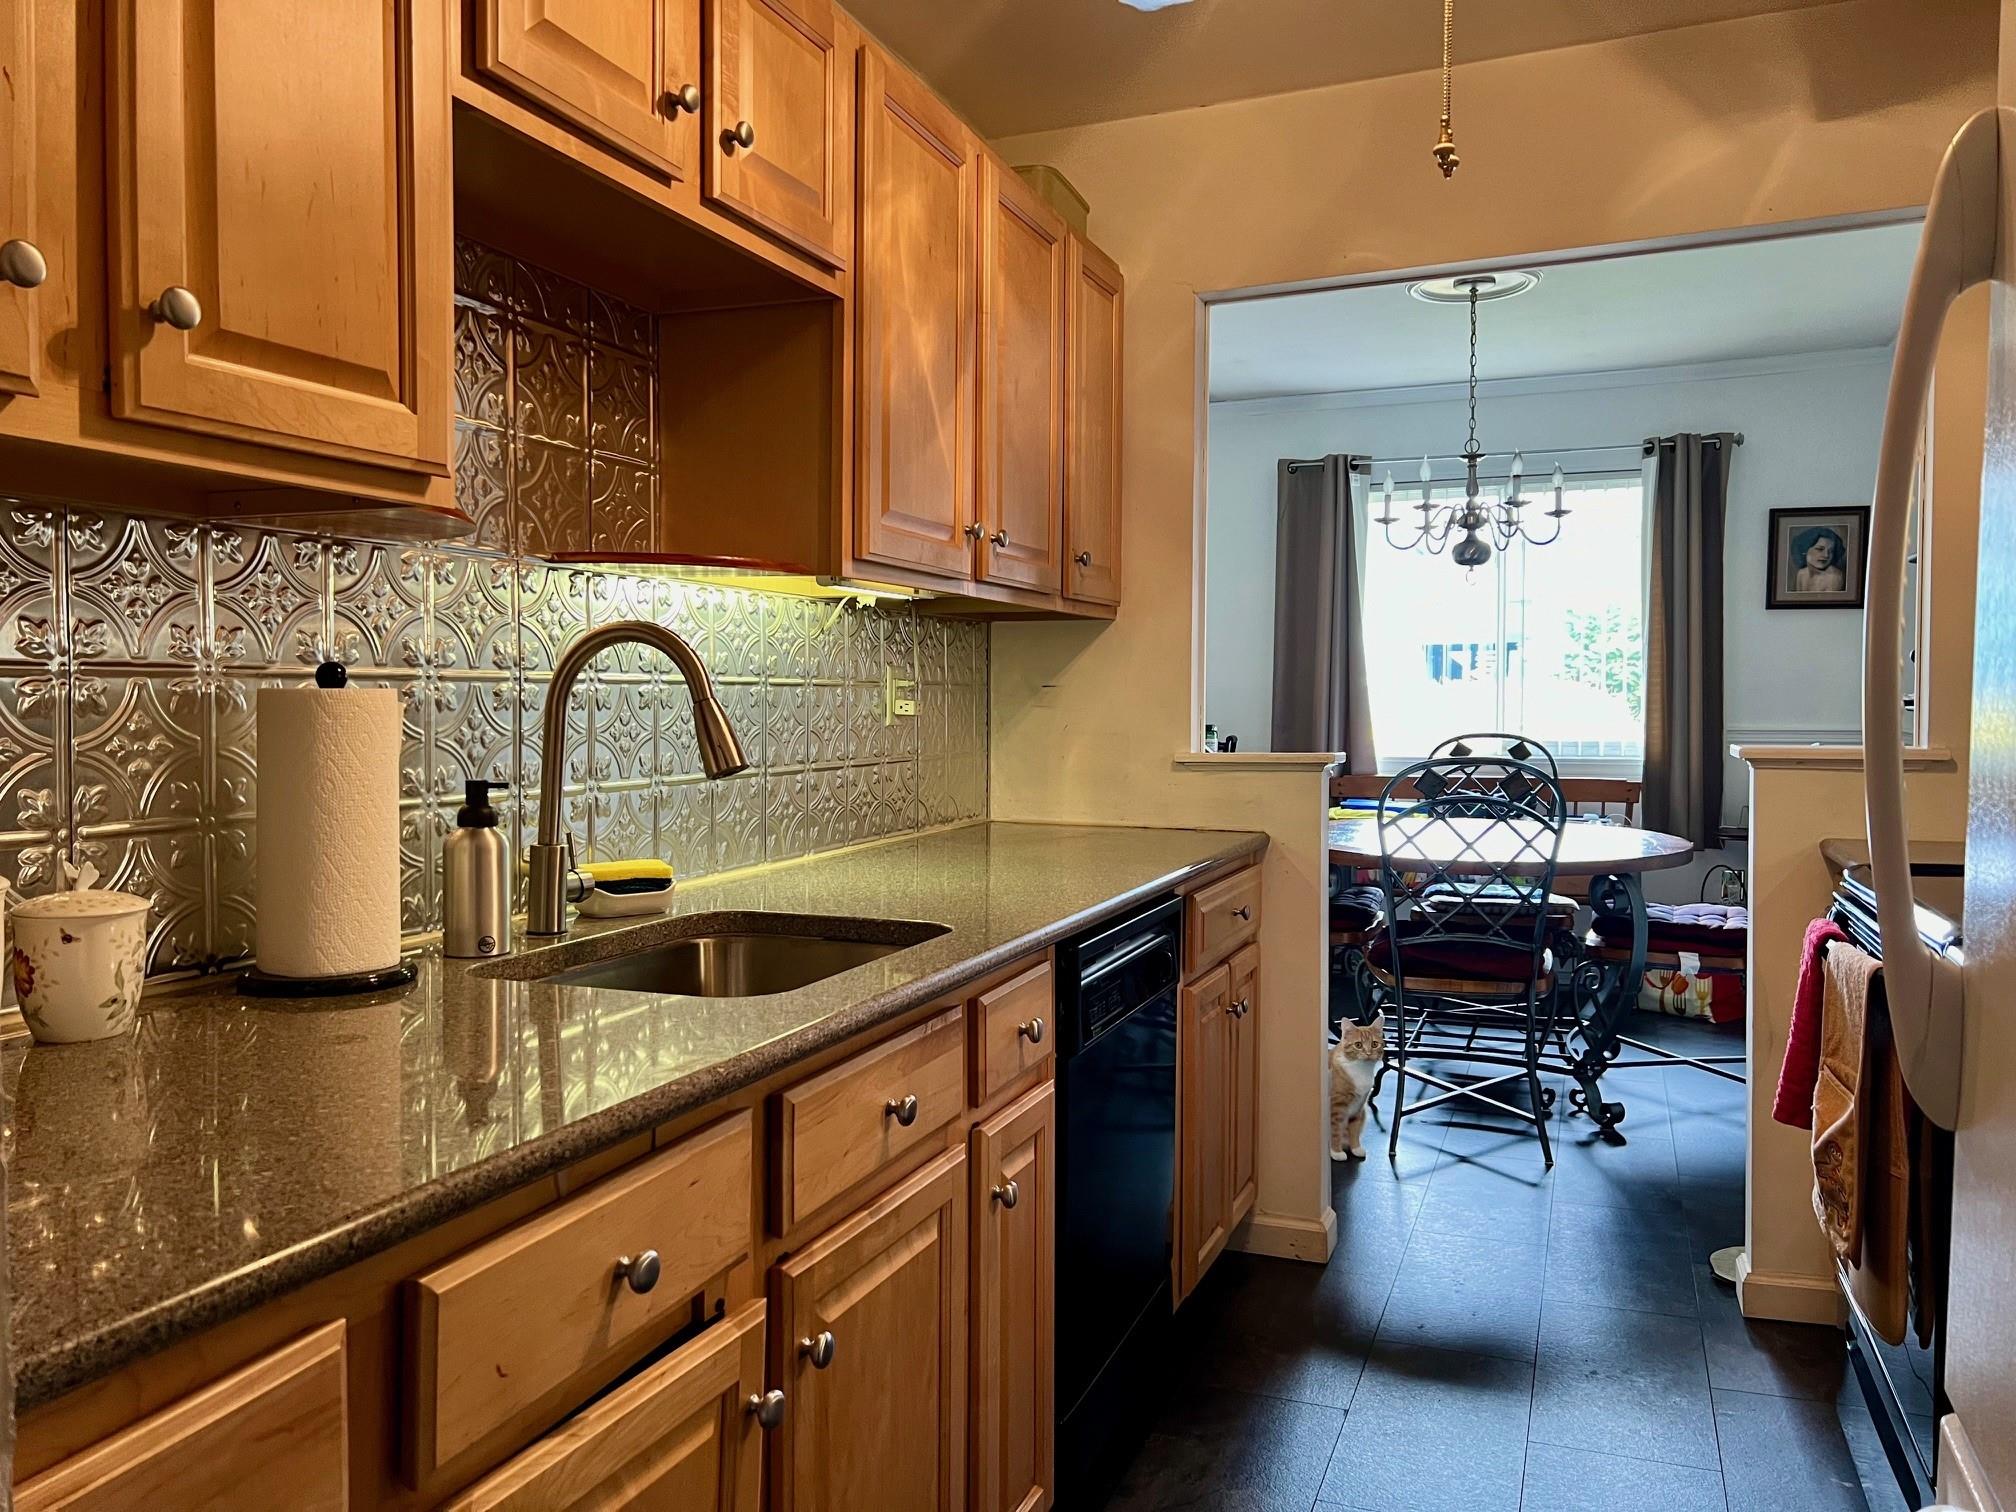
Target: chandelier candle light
[[1485, 525]]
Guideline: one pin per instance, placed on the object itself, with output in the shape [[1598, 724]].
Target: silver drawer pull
[[818, 1349], [22, 264], [1008, 1194], [768, 1409], [639, 1273], [902, 1109], [1031, 1031], [1243, 912], [177, 307], [1241, 1008]]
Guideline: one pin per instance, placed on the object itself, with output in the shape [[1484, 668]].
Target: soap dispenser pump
[[475, 879]]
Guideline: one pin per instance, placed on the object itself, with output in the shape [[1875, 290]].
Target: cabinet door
[[679, 1434], [1242, 1069], [1022, 297], [20, 329], [881, 1427], [779, 115], [1094, 367], [613, 69], [915, 300], [282, 1420], [1205, 1051], [282, 168], [1014, 1325]]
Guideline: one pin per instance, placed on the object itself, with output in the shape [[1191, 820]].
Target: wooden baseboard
[[1288, 1238], [1787, 1296], [1962, 1481]]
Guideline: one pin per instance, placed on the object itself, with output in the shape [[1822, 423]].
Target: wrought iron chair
[[1464, 968], [1500, 744]]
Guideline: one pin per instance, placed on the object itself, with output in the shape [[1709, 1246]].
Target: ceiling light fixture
[[1445, 149], [1476, 517]]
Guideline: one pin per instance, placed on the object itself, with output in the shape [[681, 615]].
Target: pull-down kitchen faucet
[[720, 754]]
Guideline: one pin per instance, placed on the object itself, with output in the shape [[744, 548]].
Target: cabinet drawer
[[840, 1127], [681, 1434], [1014, 1030], [1223, 917], [531, 1321], [280, 1421]]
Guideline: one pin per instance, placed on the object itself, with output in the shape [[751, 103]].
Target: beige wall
[[1783, 117]]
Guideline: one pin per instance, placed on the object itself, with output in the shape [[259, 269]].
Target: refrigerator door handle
[[1957, 251]]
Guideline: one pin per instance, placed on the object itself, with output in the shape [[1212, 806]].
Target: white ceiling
[[1833, 291], [1030, 65]]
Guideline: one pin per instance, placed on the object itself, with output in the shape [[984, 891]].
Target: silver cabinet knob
[[1083, 559], [686, 97], [1031, 1031], [741, 134], [902, 1109], [1008, 1194], [999, 538], [639, 1272], [975, 531], [1241, 1008], [1243, 912], [22, 264], [768, 1409], [177, 307], [818, 1349]]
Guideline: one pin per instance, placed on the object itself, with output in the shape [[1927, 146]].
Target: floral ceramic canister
[[79, 961]]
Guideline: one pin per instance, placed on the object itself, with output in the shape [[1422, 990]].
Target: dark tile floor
[[1491, 1337]]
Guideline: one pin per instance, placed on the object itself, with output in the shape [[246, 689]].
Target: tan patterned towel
[[1837, 1118]]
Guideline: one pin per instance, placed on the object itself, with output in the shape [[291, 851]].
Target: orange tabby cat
[[1354, 1063]]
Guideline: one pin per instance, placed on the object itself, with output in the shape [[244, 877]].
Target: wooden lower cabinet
[[282, 1420], [682, 1433], [1204, 1053], [1242, 1070], [1014, 1184], [881, 1299]]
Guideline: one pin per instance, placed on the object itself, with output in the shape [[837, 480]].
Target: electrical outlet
[[896, 703]]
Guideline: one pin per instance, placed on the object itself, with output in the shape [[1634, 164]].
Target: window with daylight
[[1547, 641]]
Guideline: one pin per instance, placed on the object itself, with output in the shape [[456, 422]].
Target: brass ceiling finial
[[1445, 150]]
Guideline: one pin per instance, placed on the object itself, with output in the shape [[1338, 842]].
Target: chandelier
[[1477, 526]]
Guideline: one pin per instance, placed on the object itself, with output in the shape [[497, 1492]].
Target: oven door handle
[[1957, 250]]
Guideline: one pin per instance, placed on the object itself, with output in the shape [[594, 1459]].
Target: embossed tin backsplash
[[131, 650]]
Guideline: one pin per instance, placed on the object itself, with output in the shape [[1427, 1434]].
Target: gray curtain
[[1320, 698], [1686, 493]]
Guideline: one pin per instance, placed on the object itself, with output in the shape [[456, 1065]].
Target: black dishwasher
[[1116, 1083]]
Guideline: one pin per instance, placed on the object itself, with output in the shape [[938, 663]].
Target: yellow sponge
[[627, 871]]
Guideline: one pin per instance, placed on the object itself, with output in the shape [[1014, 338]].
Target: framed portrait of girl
[[1816, 558]]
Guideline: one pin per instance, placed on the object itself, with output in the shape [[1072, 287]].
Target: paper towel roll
[[327, 860]]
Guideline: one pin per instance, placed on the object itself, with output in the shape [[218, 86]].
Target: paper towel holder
[[253, 982]]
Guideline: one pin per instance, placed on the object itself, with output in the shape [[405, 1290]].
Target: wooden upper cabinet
[[280, 219], [624, 72], [1092, 426], [23, 260], [779, 114], [915, 312], [1022, 297], [1204, 1051], [1014, 1324], [882, 1425]]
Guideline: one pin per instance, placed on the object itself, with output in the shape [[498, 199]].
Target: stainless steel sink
[[746, 962]]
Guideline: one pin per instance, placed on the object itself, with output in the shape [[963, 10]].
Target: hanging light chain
[[1445, 148]]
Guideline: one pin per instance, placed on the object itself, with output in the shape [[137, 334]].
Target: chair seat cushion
[[1357, 910], [1467, 960], [1712, 928]]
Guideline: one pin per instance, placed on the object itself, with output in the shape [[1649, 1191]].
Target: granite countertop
[[233, 1149]]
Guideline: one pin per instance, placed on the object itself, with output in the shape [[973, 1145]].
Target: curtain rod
[[1366, 464]]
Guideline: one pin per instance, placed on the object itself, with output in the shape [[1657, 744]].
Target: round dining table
[[1611, 858]]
